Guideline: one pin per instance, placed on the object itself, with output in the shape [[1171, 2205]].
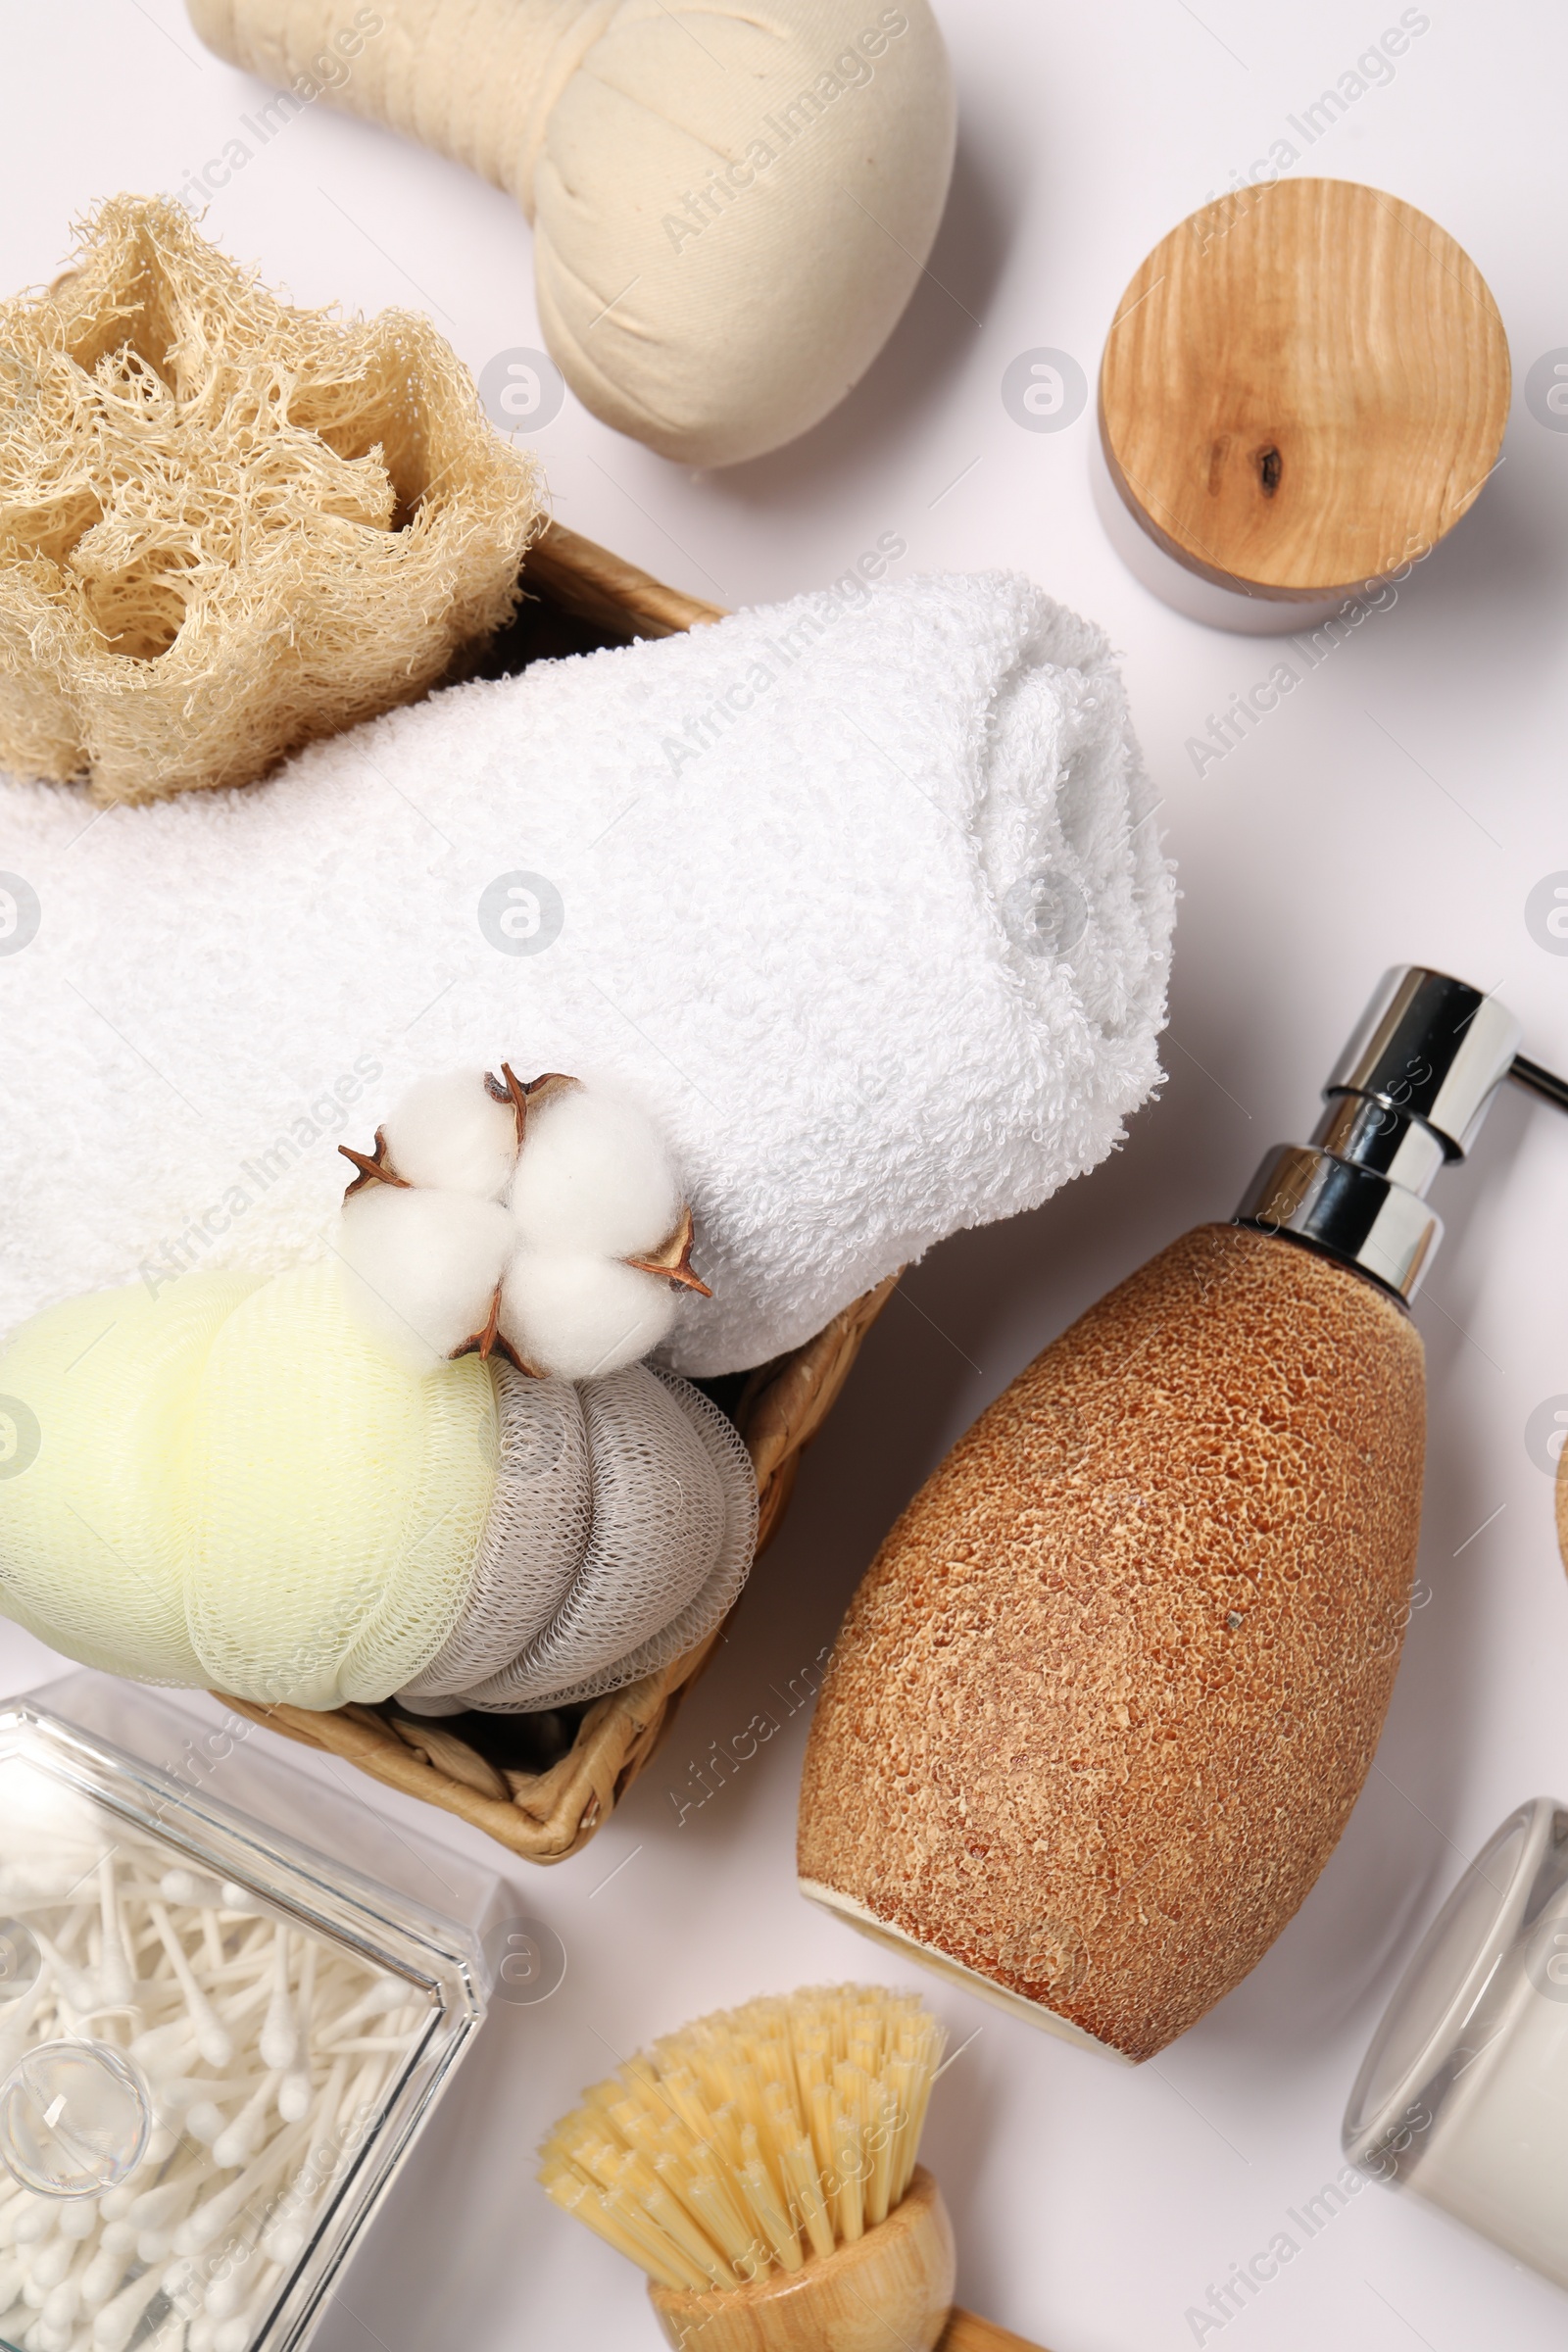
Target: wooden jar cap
[[1303, 389]]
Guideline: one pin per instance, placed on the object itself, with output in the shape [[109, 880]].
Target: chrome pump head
[[1410, 1092]]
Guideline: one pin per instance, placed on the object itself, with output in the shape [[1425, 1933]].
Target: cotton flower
[[582, 1316], [426, 1264], [595, 1177], [543, 1219], [451, 1133]]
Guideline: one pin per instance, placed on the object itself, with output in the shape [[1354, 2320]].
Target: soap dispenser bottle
[[1103, 1703]]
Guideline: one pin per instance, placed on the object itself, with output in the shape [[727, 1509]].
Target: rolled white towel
[[859, 903]]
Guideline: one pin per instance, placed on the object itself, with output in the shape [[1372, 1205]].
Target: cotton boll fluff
[[450, 1134], [574, 1276], [594, 1177], [581, 1318], [426, 1264]]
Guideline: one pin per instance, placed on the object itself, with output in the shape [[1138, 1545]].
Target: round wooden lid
[[1304, 388]]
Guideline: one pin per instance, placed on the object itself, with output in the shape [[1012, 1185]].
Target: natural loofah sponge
[[731, 203], [227, 526]]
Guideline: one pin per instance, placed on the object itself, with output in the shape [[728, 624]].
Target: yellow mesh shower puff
[[343, 1499], [96, 1505]]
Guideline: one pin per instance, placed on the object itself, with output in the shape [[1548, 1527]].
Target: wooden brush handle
[[891, 2288], [965, 2333]]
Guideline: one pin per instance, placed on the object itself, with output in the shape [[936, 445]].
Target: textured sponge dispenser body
[[1102, 1704], [1106, 1699]]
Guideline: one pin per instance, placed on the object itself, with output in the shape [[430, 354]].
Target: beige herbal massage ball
[[1101, 1708], [730, 206]]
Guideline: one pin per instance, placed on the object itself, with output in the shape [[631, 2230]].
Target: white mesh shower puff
[[536, 1539], [675, 1531]]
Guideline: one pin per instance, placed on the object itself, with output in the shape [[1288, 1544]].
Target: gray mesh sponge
[[713, 1600], [658, 1526], [535, 1538], [673, 1526]]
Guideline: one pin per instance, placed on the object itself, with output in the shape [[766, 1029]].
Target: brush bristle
[[753, 2139]]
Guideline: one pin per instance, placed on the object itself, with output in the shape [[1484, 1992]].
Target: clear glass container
[[1463, 2095], [217, 2040]]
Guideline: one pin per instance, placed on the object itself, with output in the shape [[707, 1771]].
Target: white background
[[1399, 804]]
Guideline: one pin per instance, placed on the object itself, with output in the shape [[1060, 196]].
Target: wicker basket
[[541, 1804]]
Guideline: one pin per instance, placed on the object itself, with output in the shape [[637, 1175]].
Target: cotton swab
[[161, 2048], [266, 2052], [381, 1997], [50, 2264], [294, 2091], [104, 2272], [117, 2321], [116, 1978], [213, 2038], [198, 2230], [238, 2139], [192, 1888], [233, 2335], [155, 2212], [62, 2305], [279, 2038], [77, 1986], [36, 2220], [240, 2285], [284, 2238]]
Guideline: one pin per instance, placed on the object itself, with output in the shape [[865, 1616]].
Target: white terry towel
[[860, 902]]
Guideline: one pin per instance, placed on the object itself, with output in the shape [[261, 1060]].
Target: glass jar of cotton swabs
[[215, 2047]]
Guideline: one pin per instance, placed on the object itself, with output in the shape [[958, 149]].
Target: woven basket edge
[[557, 1812]]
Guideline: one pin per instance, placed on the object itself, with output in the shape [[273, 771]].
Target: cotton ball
[[593, 1176], [580, 1317], [424, 1264], [451, 1134]]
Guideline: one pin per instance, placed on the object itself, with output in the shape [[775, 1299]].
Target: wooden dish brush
[[759, 2165]]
